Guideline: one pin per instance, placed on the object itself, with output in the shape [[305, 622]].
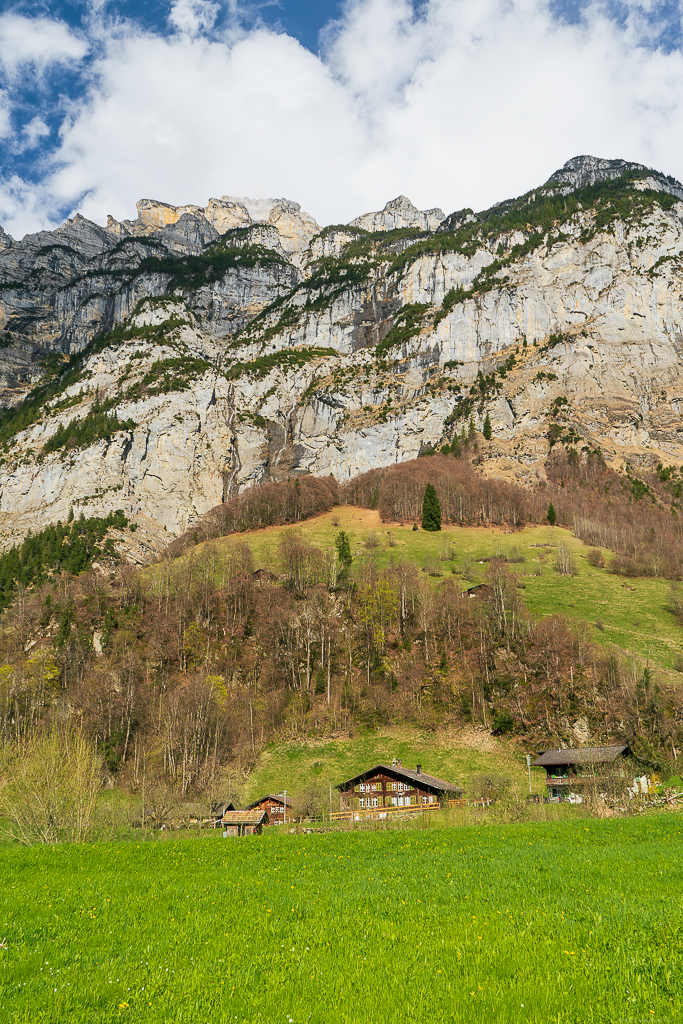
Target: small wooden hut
[[243, 823]]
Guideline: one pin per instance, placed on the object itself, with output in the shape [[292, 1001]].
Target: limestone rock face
[[245, 344], [400, 213], [582, 171]]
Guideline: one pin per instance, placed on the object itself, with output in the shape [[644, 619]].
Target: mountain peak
[[585, 170]]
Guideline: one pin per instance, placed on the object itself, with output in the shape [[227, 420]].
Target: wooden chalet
[[279, 807], [243, 823], [569, 769], [387, 789]]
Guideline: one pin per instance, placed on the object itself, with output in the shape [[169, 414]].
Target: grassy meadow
[[457, 756], [564, 922], [630, 614]]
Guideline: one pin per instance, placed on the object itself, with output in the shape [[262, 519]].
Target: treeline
[[638, 518], [189, 669], [466, 496], [265, 504], [70, 548]]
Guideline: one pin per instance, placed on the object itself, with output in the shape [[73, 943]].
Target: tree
[[471, 433], [487, 428], [343, 546], [52, 789], [551, 514], [431, 510]]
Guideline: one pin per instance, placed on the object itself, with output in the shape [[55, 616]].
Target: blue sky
[[339, 104]]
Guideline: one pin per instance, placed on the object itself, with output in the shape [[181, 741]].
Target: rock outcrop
[[400, 213], [238, 342]]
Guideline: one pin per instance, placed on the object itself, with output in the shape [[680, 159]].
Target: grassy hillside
[[457, 757], [562, 922], [631, 614]]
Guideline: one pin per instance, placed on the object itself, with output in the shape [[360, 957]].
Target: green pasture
[[567, 922], [454, 757], [630, 614]]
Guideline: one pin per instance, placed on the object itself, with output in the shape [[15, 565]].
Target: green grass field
[[565, 922], [632, 613]]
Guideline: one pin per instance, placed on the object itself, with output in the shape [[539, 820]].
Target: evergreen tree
[[431, 510], [343, 546], [551, 514], [487, 428], [472, 432]]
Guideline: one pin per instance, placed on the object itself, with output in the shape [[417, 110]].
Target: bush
[[51, 790], [596, 558]]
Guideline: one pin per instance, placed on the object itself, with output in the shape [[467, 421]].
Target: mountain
[[162, 365]]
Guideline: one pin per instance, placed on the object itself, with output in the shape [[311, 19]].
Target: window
[[400, 801], [393, 785], [374, 801], [407, 801], [431, 799], [362, 787], [424, 799], [361, 802]]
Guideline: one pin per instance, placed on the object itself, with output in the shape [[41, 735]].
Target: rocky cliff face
[[179, 357]]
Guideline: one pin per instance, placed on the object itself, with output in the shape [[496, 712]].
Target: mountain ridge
[[275, 347]]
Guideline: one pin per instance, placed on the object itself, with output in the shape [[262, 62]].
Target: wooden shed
[[279, 807], [243, 823]]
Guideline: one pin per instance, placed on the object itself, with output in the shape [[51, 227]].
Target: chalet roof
[[583, 755], [402, 775], [245, 818], [221, 807], [277, 798]]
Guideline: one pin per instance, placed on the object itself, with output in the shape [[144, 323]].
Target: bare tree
[[52, 789]]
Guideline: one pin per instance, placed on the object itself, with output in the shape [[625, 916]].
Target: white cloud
[[38, 42], [5, 110], [193, 17], [33, 132], [455, 103]]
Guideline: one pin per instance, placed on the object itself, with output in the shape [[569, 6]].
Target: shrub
[[595, 557], [51, 790]]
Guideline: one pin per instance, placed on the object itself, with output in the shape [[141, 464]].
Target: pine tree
[[551, 514], [343, 546], [472, 432], [487, 428], [431, 510]]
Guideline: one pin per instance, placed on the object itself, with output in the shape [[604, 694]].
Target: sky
[[340, 105]]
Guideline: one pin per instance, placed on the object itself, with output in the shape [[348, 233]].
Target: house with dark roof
[[279, 807], [389, 788], [568, 770]]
